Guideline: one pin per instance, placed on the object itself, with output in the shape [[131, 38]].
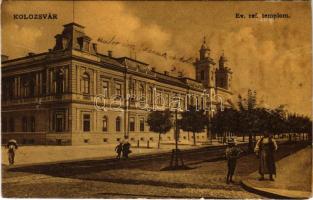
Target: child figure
[[232, 154]]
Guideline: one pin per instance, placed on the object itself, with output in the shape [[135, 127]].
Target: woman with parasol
[[12, 146]]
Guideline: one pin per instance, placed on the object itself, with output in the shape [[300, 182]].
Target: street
[[135, 178]]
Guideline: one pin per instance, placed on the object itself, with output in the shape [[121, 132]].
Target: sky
[[270, 56]]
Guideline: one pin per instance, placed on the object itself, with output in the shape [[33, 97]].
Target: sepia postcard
[[156, 99]]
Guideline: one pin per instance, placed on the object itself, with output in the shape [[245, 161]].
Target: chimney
[[110, 53], [31, 54], [166, 73], [4, 58], [153, 69]]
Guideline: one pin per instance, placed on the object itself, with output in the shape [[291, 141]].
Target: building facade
[[74, 95]]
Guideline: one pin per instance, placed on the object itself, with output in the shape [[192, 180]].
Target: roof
[[73, 24], [127, 58]]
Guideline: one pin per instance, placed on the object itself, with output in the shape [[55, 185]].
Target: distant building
[[49, 98]]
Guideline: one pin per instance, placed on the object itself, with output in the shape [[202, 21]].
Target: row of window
[[118, 123], [28, 124], [28, 87], [106, 91], [86, 123], [27, 84]]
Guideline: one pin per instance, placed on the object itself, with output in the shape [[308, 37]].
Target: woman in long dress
[[265, 148]]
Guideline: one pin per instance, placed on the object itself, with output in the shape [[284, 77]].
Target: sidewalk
[[294, 178], [27, 155]]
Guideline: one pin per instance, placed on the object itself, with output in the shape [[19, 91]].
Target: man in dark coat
[[265, 148], [118, 150], [126, 149]]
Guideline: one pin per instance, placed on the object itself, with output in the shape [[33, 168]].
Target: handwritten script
[[114, 42]]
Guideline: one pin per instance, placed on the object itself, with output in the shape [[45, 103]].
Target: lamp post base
[[176, 159]]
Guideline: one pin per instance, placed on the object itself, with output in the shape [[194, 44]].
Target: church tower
[[205, 67], [223, 74]]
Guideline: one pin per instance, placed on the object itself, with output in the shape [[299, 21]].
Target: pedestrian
[[119, 149], [126, 149], [232, 153], [12, 146], [224, 140], [264, 149]]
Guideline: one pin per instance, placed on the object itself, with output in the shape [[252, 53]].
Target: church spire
[[222, 60], [204, 50], [204, 45]]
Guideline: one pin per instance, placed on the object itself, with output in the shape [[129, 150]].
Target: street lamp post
[[176, 154]]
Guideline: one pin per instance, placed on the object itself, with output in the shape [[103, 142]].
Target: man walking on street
[[118, 150], [126, 149]]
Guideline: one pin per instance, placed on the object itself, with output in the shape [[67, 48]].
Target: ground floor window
[[131, 124], [142, 124], [59, 122], [118, 124], [86, 122], [105, 124]]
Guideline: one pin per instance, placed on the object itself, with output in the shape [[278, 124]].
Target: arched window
[[28, 87], [105, 89], [32, 124], [131, 124], [150, 95], [24, 124], [142, 124], [85, 86], [192, 100], [133, 87], [59, 80], [118, 124], [105, 124], [141, 91]]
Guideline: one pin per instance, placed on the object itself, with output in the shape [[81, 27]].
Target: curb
[[275, 195], [247, 186]]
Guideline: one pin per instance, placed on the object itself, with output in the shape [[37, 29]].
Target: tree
[[193, 120], [160, 122], [225, 121], [247, 117]]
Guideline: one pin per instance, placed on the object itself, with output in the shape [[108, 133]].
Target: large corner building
[[49, 98]]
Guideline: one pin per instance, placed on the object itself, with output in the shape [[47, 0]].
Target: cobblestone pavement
[[132, 180]]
